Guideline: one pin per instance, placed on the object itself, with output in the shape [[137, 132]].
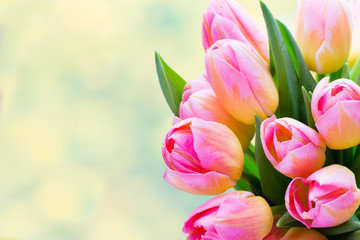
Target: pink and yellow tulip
[[226, 19], [204, 104], [355, 42], [293, 148], [196, 162], [327, 198], [300, 233], [232, 216], [323, 33], [241, 80], [335, 108]]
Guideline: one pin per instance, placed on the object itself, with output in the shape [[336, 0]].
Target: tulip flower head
[[293, 148], [231, 216], [355, 42], [205, 105], [226, 19], [327, 198], [196, 162], [323, 32], [241, 80], [335, 108]]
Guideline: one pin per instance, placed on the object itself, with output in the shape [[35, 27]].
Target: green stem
[[355, 70]]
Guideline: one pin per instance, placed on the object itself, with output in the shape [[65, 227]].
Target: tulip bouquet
[[299, 95]]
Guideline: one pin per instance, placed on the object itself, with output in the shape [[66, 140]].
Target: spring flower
[[323, 33], [241, 80], [300, 233], [335, 108], [327, 198], [226, 19], [293, 148], [355, 42], [204, 104], [232, 216], [203, 157]]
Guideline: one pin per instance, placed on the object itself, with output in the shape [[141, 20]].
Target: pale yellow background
[[82, 115]]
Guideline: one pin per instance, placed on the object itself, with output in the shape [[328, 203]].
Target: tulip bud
[[231, 216], [300, 233], [293, 148], [355, 41], [204, 104], [335, 108], [241, 80], [226, 19], [203, 157], [327, 198], [323, 33]]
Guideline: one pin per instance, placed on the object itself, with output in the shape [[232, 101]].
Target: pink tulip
[[335, 108], [232, 216], [203, 157], [241, 80], [204, 104], [226, 19], [323, 32], [355, 41], [300, 233], [326, 198], [293, 148]]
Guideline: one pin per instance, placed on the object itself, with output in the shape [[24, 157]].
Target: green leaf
[[285, 71], [355, 168], [346, 227], [250, 163], [355, 71], [172, 85], [242, 185], [278, 209], [307, 101], [272, 183], [343, 72], [304, 75], [287, 220]]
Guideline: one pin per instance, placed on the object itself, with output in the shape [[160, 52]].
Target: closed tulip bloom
[[232, 216], [226, 19], [293, 148], [355, 42], [202, 157], [335, 108], [323, 33], [204, 104], [300, 233], [327, 198], [241, 81]]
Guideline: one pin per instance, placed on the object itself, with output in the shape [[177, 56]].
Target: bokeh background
[[83, 117]]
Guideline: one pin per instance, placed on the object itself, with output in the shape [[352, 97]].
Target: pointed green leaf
[[172, 85], [285, 72], [272, 183], [304, 75], [307, 101]]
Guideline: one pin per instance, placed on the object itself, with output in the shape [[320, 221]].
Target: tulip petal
[[226, 158], [210, 183], [243, 221], [340, 126], [293, 164]]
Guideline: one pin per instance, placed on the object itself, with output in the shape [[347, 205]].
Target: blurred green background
[[83, 117]]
